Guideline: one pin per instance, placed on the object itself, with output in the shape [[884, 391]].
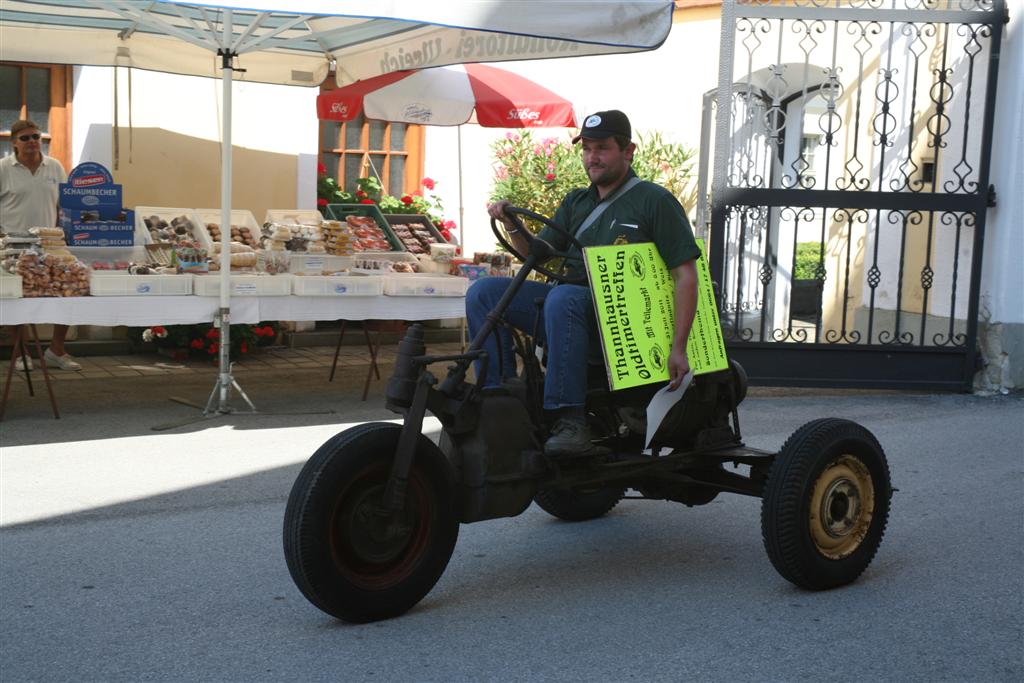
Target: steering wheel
[[514, 213]]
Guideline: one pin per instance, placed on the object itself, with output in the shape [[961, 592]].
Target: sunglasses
[[26, 138]]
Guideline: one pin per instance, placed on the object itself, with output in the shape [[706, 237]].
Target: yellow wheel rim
[[842, 504]]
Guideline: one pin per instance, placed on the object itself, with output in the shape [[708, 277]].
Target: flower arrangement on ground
[[203, 340]]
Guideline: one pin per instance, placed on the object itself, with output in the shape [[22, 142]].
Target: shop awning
[[295, 42]]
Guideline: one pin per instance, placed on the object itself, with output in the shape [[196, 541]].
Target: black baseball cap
[[604, 124]]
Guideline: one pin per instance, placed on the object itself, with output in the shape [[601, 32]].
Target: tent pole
[[224, 379], [225, 236], [462, 224]]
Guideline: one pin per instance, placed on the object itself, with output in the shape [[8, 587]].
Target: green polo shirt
[[646, 213]]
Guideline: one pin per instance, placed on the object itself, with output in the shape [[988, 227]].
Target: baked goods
[[243, 257], [368, 235], [294, 237], [339, 238], [52, 275], [384, 265], [239, 233], [179, 229], [416, 237], [12, 247]]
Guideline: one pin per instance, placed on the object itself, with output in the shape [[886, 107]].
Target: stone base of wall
[[1002, 350]]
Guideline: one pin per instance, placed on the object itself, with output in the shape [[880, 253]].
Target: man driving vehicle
[[617, 208]]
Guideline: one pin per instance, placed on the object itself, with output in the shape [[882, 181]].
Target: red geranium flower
[[450, 225], [366, 201], [159, 331], [321, 169], [213, 348], [321, 202], [213, 333], [243, 347], [549, 177], [407, 200], [428, 183], [360, 194], [197, 344]]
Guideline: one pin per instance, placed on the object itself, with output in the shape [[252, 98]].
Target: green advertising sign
[[634, 298]]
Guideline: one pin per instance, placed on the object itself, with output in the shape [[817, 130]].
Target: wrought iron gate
[[851, 146]]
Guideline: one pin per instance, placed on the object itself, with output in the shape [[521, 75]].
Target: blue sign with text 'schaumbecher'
[[91, 210]]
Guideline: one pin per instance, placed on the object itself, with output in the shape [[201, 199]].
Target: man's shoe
[[23, 364], [569, 438], [65, 362]]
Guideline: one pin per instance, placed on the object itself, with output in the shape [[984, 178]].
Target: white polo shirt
[[29, 200]]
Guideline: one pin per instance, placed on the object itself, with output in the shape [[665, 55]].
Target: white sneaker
[[65, 362], [23, 364]]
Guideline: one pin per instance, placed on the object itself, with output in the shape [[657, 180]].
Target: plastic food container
[[293, 216], [168, 214], [415, 284], [239, 217], [317, 264], [123, 284], [10, 286], [338, 285], [417, 222], [244, 285]]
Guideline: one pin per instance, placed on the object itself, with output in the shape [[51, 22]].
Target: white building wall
[[1002, 286], [268, 118]]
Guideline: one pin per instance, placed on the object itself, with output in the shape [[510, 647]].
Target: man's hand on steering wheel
[[503, 213]]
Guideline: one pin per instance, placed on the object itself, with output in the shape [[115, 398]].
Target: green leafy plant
[[536, 173], [807, 255], [327, 190]]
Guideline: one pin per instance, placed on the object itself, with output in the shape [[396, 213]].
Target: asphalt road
[[133, 555]]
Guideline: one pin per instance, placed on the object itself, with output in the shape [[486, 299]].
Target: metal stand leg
[[10, 369], [18, 352], [221, 393], [337, 350], [46, 372], [373, 357]]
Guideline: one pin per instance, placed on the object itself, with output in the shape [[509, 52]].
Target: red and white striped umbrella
[[448, 96]]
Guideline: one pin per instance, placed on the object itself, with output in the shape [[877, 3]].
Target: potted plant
[[806, 290]]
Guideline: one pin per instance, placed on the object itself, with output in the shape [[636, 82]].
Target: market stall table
[[142, 311]]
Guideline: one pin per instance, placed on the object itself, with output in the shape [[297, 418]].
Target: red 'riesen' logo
[[86, 181]]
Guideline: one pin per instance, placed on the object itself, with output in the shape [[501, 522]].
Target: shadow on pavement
[[133, 406]]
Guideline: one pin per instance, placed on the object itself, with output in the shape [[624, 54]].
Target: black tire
[[826, 504], [339, 549], [572, 505]]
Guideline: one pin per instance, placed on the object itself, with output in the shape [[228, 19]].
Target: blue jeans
[[568, 331]]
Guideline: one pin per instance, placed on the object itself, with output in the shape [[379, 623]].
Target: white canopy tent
[[297, 42]]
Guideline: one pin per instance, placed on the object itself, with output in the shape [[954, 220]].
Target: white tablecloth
[[141, 311]]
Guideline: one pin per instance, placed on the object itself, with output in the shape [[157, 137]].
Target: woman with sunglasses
[[29, 184]]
